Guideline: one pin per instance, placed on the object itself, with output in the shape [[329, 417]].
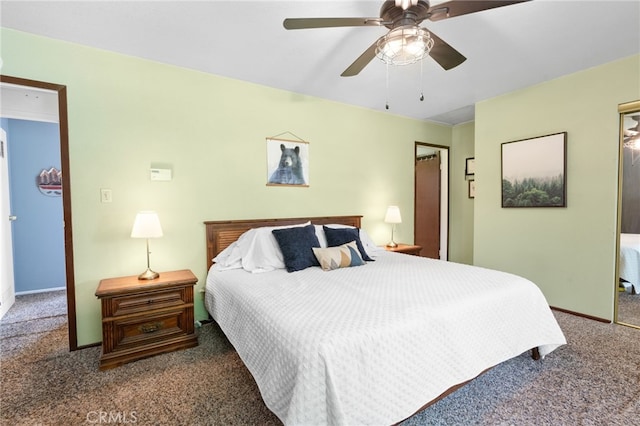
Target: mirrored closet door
[[628, 285]]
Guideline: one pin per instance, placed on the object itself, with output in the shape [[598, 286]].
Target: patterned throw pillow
[[343, 256]]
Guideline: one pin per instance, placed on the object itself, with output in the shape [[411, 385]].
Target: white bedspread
[[630, 259], [372, 344]]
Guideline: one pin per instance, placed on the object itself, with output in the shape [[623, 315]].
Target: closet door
[[427, 205]]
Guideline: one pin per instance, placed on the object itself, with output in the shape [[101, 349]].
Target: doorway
[[431, 200], [61, 92]]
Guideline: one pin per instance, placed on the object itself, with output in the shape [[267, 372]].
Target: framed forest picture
[[534, 172]]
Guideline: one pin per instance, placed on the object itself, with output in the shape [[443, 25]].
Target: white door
[[7, 293]]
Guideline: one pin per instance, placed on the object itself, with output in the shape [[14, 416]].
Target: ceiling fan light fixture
[[404, 45]]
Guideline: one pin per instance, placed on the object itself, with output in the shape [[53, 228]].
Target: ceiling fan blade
[[463, 7], [445, 55], [304, 23], [362, 61]]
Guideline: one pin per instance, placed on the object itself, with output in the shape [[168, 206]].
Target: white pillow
[[259, 250], [229, 258], [369, 246], [322, 239]]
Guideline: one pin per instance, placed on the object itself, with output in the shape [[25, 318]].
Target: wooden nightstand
[[144, 318], [405, 248]]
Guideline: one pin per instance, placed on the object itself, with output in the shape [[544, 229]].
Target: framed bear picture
[[287, 162]]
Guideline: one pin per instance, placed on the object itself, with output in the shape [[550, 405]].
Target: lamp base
[[392, 244], [148, 275]]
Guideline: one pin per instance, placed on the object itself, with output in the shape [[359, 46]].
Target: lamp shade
[[393, 215], [146, 225]]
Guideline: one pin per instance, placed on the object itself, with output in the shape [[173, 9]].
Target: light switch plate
[[106, 196]]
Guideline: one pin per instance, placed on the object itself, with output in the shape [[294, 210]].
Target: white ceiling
[[507, 48]]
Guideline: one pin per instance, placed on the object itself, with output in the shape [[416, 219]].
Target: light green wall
[[569, 252], [460, 205], [126, 113]]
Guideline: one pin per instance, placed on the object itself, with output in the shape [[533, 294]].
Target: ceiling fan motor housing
[[394, 16]]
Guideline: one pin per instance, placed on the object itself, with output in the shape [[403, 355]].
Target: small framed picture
[[472, 189], [470, 167], [287, 163]]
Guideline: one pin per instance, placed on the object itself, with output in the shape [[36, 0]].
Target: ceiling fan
[[406, 42]]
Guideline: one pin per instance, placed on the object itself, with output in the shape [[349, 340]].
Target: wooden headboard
[[220, 234]]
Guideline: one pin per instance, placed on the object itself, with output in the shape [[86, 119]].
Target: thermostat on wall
[[161, 174]]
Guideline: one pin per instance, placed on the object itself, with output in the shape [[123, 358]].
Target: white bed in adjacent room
[[630, 260], [373, 344]]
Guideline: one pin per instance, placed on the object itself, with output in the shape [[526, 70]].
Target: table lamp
[[147, 225], [393, 217]]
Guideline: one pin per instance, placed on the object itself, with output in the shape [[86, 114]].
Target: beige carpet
[[629, 308], [594, 380]]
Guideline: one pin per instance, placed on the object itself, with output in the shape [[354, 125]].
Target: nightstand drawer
[[131, 304], [141, 330]]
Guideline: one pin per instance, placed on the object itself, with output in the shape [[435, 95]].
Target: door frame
[[444, 190], [61, 90]]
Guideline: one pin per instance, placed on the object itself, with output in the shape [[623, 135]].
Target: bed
[[630, 261], [370, 344]]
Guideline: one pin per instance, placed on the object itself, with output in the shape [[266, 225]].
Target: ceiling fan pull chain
[[421, 83], [386, 105]]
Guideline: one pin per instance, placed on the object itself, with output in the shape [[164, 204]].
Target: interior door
[[7, 293], [427, 205]]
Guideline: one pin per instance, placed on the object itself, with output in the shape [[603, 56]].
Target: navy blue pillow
[[339, 236], [296, 245]]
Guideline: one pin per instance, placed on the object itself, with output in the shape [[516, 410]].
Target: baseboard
[[44, 290], [90, 345], [578, 314]]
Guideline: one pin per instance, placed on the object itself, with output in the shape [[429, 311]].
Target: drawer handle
[[150, 328]]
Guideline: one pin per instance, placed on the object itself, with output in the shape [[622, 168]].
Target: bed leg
[[535, 353]]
